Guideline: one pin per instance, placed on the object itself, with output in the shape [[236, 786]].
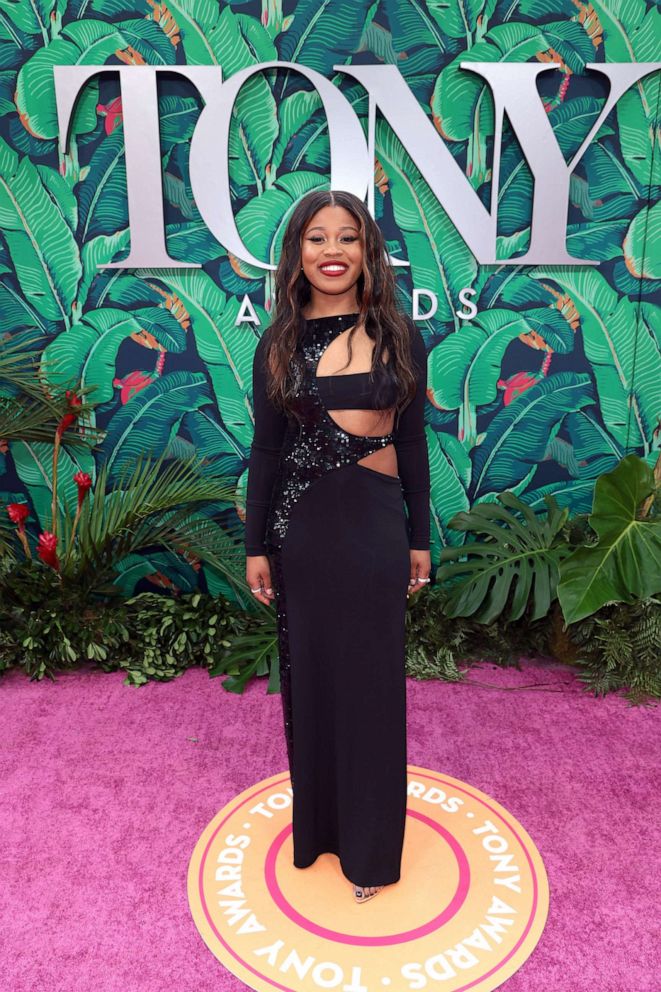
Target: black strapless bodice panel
[[353, 391]]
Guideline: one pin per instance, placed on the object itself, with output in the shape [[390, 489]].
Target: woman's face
[[332, 251]]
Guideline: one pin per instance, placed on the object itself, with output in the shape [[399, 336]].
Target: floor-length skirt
[[340, 579]]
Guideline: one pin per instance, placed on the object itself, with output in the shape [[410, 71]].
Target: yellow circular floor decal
[[467, 911]]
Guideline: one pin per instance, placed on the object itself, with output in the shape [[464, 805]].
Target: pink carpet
[[105, 790]]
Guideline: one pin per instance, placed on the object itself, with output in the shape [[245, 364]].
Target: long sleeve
[[411, 446], [270, 427]]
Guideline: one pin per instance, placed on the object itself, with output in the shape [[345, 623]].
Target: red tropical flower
[[18, 514], [112, 113], [47, 549], [69, 418], [132, 384], [516, 385], [84, 483]]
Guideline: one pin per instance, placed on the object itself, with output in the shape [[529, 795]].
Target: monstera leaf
[[513, 556], [625, 564]]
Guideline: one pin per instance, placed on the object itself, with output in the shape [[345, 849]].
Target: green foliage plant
[[521, 561], [46, 629], [624, 565], [619, 647], [515, 562], [589, 585], [147, 504]]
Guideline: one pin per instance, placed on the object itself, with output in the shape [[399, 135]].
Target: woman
[[339, 386]]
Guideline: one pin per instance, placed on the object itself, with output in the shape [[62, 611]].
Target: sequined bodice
[[318, 444]]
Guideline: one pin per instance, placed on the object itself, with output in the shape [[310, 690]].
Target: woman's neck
[[330, 306]]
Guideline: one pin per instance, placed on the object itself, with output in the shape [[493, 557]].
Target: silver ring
[[258, 589], [423, 580]]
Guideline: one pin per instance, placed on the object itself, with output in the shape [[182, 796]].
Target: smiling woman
[[339, 387]]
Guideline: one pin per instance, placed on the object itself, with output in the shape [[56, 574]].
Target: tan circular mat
[[468, 910]]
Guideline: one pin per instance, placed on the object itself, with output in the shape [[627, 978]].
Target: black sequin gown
[[337, 538]]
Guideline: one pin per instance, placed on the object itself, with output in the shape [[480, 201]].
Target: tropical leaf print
[[89, 350], [33, 462], [450, 473], [464, 368], [41, 245], [148, 422], [645, 228], [548, 383], [437, 253], [517, 437], [621, 360], [631, 34]]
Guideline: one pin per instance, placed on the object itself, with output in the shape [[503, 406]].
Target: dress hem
[[344, 871]]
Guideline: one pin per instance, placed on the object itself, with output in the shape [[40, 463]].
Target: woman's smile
[[333, 269]]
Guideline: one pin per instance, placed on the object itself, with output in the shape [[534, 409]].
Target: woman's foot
[[363, 893]]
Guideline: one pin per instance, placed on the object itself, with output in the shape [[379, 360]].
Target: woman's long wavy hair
[[378, 311]]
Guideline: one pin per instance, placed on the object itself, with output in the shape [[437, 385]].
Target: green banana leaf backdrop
[[555, 380]]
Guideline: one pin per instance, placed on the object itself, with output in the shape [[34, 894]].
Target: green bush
[[151, 636]]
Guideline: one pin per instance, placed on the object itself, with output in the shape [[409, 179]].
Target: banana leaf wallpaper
[[550, 385]]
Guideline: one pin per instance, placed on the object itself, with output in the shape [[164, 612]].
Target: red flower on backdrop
[[516, 385], [132, 384], [112, 113], [18, 514], [47, 549], [84, 483], [69, 418]]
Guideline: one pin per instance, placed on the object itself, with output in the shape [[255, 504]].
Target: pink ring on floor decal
[[396, 938], [225, 949]]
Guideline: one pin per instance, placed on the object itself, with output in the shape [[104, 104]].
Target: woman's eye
[[347, 237]]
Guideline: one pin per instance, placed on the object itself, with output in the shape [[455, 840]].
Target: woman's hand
[[258, 577], [420, 569]]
